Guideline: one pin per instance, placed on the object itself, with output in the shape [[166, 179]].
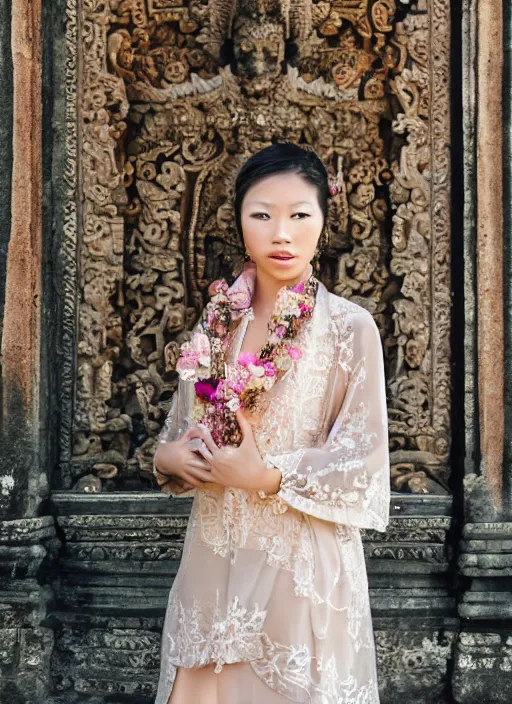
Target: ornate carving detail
[[121, 528], [421, 553], [483, 663], [67, 345], [419, 539], [174, 97], [86, 650], [417, 530], [27, 531], [113, 551], [422, 655]]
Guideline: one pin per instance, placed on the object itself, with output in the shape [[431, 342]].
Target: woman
[[270, 603]]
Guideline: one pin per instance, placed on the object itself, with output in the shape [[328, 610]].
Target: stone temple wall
[[121, 126]]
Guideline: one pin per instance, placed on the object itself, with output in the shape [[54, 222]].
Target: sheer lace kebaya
[[278, 584]]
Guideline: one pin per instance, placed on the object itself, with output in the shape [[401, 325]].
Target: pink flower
[[186, 366], [247, 358], [195, 357], [218, 286], [240, 292], [299, 288], [206, 389], [270, 369], [220, 390], [294, 352], [240, 299], [281, 331]]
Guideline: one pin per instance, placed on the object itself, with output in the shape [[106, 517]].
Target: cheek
[[255, 233], [310, 232]]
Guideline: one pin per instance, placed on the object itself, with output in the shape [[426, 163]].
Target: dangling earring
[[322, 244]]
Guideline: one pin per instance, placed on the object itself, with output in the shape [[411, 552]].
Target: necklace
[[222, 389]]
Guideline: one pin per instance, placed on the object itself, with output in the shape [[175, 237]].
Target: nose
[[281, 233]]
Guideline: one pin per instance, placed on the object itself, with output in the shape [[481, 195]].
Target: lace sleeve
[[347, 479], [176, 422]]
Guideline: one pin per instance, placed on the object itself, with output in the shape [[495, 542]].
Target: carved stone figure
[[175, 96]]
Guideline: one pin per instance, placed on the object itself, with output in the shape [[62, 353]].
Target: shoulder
[[355, 331], [347, 313]]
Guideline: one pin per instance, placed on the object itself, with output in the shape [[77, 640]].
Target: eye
[[301, 216], [260, 216]]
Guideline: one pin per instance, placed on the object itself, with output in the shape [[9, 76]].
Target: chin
[[285, 274]]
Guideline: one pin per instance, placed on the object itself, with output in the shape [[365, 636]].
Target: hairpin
[[335, 184]]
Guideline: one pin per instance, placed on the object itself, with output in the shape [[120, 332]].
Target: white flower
[[194, 362], [233, 404]]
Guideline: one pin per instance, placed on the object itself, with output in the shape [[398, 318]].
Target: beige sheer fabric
[[279, 585]]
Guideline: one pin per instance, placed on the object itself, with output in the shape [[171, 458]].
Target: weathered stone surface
[[21, 488], [486, 550], [507, 255], [114, 565], [489, 255], [483, 667], [414, 665], [6, 91], [483, 657], [27, 548], [105, 655]]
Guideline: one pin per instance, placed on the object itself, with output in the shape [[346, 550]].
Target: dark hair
[[280, 158]]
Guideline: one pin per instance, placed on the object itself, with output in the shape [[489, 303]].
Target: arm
[[347, 479], [176, 423]]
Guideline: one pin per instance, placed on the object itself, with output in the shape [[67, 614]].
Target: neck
[[266, 289]]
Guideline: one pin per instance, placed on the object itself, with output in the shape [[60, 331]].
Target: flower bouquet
[[221, 389]]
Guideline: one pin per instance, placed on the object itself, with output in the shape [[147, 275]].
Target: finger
[[202, 432], [198, 447], [189, 475], [195, 483], [205, 452], [206, 437], [198, 463], [184, 486], [200, 474]]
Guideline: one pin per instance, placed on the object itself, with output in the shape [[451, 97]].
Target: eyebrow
[[268, 204]]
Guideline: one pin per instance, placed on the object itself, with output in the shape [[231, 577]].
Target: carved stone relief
[[173, 97], [115, 646]]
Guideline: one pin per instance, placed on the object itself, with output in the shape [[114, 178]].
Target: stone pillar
[[26, 539], [483, 232], [21, 325], [489, 192], [482, 658]]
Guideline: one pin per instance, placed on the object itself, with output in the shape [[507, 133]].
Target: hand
[[179, 461], [239, 467]]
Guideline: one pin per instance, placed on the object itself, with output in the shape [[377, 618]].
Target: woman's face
[[281, 223]]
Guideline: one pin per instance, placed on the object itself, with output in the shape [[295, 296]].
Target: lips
[[282, 256]]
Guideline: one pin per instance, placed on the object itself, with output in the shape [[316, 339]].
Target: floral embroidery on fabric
[[290, 567], [203, 638], [287, 669]]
